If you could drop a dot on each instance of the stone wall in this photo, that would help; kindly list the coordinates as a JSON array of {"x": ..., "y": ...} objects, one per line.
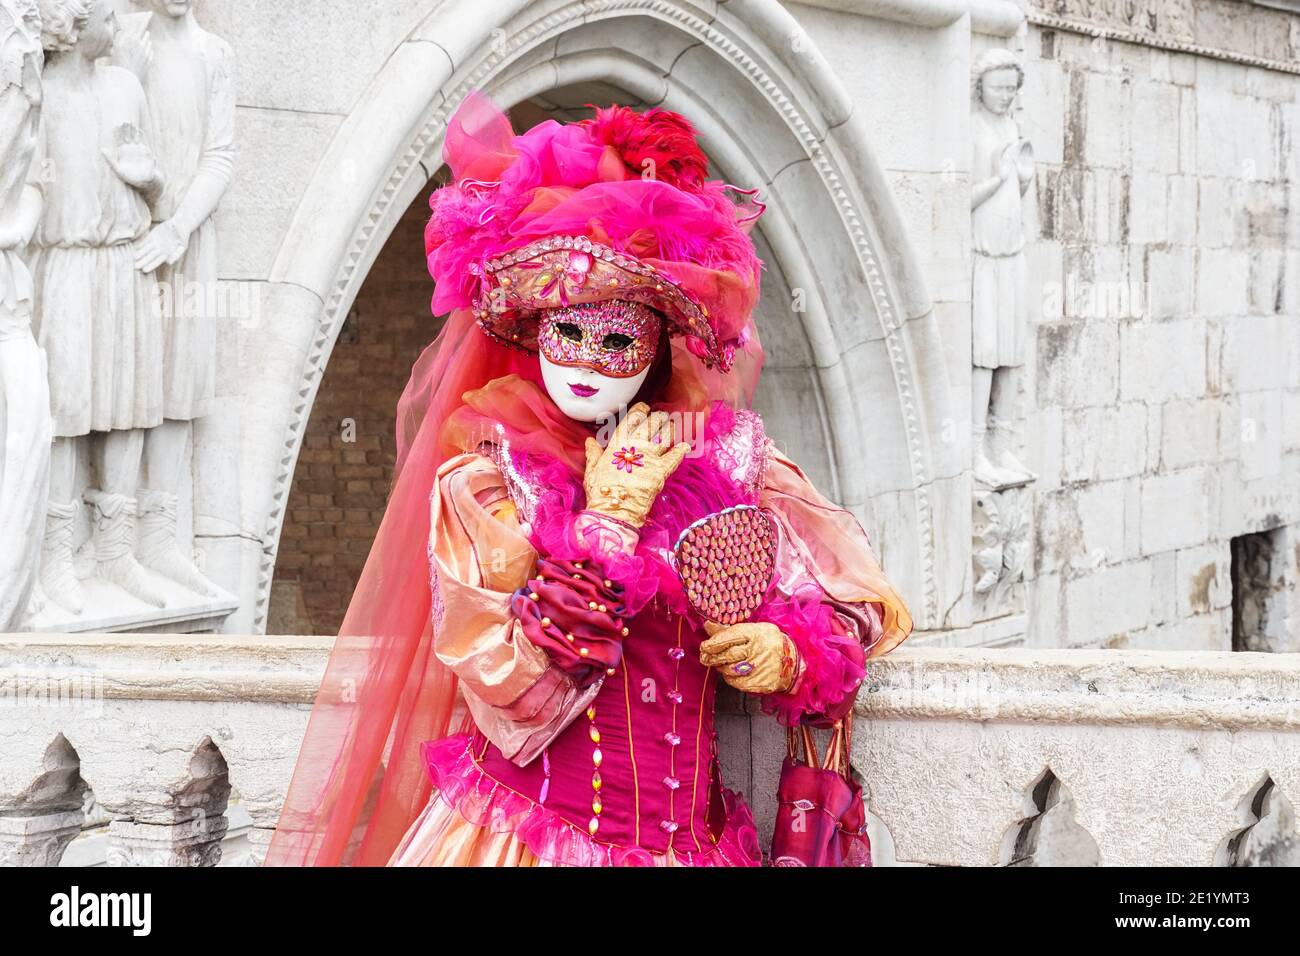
[
  {"x": 1163, "y": 414},
  {"x": 1167, "y": 397}
]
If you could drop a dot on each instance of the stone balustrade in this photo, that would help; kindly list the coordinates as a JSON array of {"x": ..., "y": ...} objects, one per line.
[
  {"x": 167, "y": 732},
  {"x": 971, "y": 757},
  {"x": 1116, "y": 757}
]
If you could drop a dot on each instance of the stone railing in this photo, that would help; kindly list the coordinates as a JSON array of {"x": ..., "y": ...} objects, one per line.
[
  {"x": 174, "y": 735},
  {"x": 982, "y": 757},
  {"x": 971, "y": 757}
]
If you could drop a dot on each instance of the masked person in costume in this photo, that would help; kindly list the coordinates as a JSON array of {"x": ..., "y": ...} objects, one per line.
[{"x": 521, "y": 678}]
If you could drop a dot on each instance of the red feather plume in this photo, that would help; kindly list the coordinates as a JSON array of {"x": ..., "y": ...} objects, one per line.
[{"x": 658, "y": 140}]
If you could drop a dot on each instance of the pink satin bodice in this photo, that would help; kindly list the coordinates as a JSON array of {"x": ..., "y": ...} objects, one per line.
[{"x": 656, "y": 783}]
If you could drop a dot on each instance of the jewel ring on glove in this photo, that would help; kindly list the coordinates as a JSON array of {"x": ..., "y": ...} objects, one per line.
[{"x": 753, "y": 657}]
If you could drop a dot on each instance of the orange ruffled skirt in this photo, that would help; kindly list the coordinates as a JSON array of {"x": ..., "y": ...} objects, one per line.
[{"x": 442, "y": 837}]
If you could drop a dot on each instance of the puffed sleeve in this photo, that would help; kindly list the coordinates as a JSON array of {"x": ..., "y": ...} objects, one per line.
[
  {"x": 832, "y": 599},
  {"x": 479, "y": 558}
]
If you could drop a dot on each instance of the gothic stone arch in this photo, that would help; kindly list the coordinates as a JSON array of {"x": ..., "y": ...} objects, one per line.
[{"x": 771, "y": 114}]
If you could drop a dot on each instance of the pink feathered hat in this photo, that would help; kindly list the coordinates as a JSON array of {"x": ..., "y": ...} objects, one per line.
[{"x": 613, "y": 207}]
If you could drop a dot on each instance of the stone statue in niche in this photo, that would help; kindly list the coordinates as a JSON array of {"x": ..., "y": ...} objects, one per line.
[
  {"x": 1002, "y": 170},
  {"x": 188, "y": 79},
  {"x": 96, "y": 314},
  {"x": 24, "y": 395}
]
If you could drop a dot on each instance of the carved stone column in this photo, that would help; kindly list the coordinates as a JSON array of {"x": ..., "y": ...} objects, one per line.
[{"x": 183, "y": 829}]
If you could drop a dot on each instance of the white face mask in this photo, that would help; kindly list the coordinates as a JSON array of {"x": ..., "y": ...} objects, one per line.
[{"x": 584, "y": 394}]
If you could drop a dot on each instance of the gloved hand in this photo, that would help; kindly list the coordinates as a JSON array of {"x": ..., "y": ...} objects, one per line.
[
  {"x": 623, "y": 480},
  {"x": 753, "y": 657}
]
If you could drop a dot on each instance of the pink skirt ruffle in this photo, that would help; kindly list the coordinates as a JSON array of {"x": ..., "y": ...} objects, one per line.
[{"x": 460, "y": 784}]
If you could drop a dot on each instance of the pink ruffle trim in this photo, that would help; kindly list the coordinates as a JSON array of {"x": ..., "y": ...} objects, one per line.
[
  {"x": 698, "y": 487},
  {"x": 833, "y": 661},
  {"x": 485, "y": 802}
]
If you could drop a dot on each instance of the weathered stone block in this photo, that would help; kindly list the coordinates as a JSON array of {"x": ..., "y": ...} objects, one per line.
[
  {"x": 1222, "y": 282},
  {"x": 1104, "y": 443},
  {"x": 1167, "y": 292},
  {"x": 1260, "y": 433},
  {"x": 1078, "y": 363},
  {"x": 1216, "y": 226},
  {"x": 1148, "y": 219},
  {"x": 1109, "y": 601},
  {"x": 1258, "y": 352},
  {"x": 279, "y": 149},
  {"x": 1101, "y": 518},
  {"x": 326, "y": 66},
  {"x": 1204, "y": 580},
  {"x": 1178, "y": 509},
  {"x": 1106, "y": 143},
  {"x": 1155, "y": 133},
  {"x": 1189, "y": 433},
  {"x": 1162, "y": 360}
]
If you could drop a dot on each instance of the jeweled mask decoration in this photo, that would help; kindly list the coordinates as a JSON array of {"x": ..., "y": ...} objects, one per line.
[
  {"x": 616, "y": 338},
  {"x": 518, "y": 288}
]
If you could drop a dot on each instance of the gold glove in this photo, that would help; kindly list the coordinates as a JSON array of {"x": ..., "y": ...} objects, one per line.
[
  {"x": 624, "y": 479},
  {"x": 756, "y": 658}
]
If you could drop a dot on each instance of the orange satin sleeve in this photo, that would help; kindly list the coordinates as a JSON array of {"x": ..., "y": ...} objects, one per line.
[
  {"x": 828, "y": 545},
  {"x": 479, "y": 557}
]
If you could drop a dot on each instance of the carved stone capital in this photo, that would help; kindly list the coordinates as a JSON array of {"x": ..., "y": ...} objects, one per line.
[
  {"x": 196, "y": 842},
  {"x": 38, "y": 839}
]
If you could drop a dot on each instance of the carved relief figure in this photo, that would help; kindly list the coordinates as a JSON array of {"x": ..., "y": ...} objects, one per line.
[
  {"x": 96, "y": 313},
  {"x": 187, "y": 74},
  {"x": 24, "y": 396},
  {"x": 1001, "y": 172},
  {"x": 1000, "y": 521}
]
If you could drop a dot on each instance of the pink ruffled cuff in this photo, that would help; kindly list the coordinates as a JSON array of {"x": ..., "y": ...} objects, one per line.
[
  {"x": 607, "y": 543},
  {"x": 574, "y": 614},
  {"x": 832, "y": 662}
]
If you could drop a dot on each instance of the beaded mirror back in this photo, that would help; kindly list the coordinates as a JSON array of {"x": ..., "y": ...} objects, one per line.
[{"x": 726, "y": 561}]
